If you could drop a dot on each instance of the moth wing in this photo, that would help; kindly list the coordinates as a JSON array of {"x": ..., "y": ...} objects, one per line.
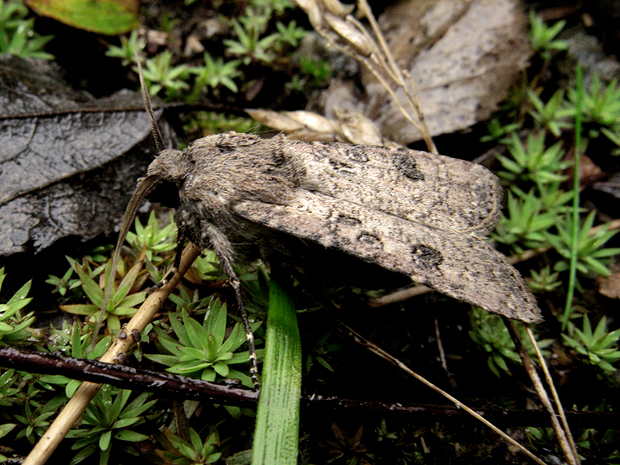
[
  {"x": 435, "y": 190},
  {"x": 460, "y": 265}
]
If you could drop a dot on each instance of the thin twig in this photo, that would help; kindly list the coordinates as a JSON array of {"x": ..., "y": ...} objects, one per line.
[
  {"x": 124, "y": 377},
  {"x": 399, "y": 295},
  {"x": 442, "y": 354}
]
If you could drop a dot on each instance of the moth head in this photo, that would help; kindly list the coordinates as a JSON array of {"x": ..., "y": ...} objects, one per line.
[{"x": 168, "y": 166}]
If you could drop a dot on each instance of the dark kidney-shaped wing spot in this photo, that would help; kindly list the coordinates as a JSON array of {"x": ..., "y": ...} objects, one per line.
[
  {"x": 371, "y": 240},
  {"x": 348, "y": 221},
  {"x": 356, "y": 154},
  {"x": 426, "y": 257},
  {"x": 406, "y": 165}
]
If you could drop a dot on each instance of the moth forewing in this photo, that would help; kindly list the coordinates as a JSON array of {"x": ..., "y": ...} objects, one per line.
[
  {"x": 412, "y": 212},
  {"x": 460, "y": 265},
  {"x": 435, "y": 190}
]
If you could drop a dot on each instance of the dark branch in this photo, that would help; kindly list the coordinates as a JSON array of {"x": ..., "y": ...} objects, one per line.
[
  {"x": 164, "y": 384},
  {"x": 167, "y": 385}
]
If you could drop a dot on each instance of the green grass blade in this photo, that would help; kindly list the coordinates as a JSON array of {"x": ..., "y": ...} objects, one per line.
[{"x": 277, "y": 423}]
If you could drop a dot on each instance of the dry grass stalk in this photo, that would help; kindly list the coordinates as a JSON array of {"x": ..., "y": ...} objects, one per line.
[
  {"x": 560, "y": 433},
  {"x": 393, "y": 360},
  {"x": 335, "y": 23}
]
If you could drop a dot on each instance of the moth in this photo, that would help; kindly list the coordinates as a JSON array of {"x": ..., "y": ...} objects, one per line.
[{"x": 421, "y": 215}]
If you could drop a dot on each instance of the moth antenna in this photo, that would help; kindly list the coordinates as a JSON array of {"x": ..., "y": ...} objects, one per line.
[
  {"x": 146, "y": 98},
  {"x": 144, "y": 187},
  {"x": 137, "y": 198}
]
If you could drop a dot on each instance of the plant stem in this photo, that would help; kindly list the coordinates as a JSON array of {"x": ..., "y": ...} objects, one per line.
[{"x": 575, "y": 213}]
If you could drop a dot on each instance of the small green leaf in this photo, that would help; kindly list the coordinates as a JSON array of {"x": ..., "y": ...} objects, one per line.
[
  {"x": 196, "y": 333},
  {"x": 104, "y": 440},
  {"x": 130, "y": 436},
  {"x": 221, "y": 369},
  {"x": 125, "y": 422},
  {"x": 111, "y": 17},
  {"x": 80, "y": 309}
]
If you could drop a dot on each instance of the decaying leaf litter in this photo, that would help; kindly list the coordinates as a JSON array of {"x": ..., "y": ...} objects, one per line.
[{"x": 67, "y": 159}]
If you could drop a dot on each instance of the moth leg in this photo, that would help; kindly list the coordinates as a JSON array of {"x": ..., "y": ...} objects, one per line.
[
  {"x": 224, "y": 252},
  {"x": 249, "y": 336},
  {"x": 175, "y": 265}
]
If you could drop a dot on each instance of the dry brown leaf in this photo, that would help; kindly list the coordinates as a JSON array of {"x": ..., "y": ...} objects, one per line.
[
  {"x": 610, "y": 286},
  {"x": 589, "y": 172},
  {"x": 358, "y": 129},
  {"x": 348, "y": 126},
  {"x": 311, "y": 121},
  {"x": 463, "y": 55},
  {"x": 275, "y": 120}
]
